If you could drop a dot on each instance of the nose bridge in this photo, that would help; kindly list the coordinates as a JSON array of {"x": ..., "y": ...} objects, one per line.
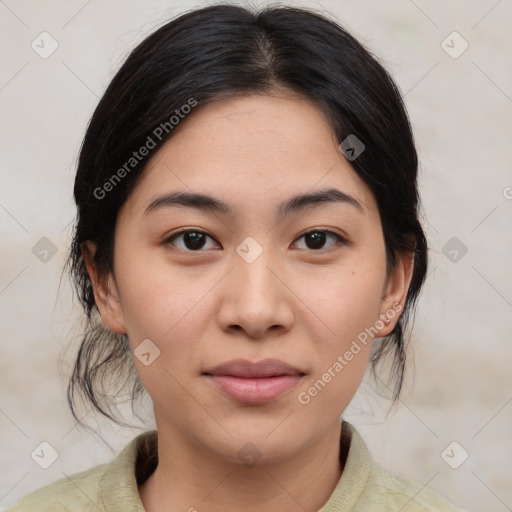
[
  {"x": 253, "y": 277},
  {"x": 256, "y": 276}
]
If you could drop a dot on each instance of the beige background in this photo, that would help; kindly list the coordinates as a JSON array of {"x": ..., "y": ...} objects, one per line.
[{"x": 461, "y": 110}]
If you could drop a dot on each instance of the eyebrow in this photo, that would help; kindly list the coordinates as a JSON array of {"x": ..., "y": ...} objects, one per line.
[{"x": 211, "y": 204}]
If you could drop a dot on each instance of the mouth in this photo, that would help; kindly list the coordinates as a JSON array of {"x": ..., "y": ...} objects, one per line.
[{"x": 254, "y": 383}]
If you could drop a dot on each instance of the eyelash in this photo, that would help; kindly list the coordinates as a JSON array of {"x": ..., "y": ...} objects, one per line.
[{"x": 339, "y": 238}]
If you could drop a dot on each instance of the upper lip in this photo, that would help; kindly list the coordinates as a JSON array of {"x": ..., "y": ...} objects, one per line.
[{"x": 247, "y": 369}]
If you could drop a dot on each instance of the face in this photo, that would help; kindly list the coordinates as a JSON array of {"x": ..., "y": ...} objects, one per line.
[{"x": 304, "y": 283}]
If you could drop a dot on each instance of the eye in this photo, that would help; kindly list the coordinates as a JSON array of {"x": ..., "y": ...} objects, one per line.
[
  {"x": 315, "y": 239},
  {"x": 192, "y": 240}
]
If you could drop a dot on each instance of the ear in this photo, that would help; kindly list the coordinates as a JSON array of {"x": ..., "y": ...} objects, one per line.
[
  {"x": 395, "y": 292},
  {"x": 106, "y": 294}
]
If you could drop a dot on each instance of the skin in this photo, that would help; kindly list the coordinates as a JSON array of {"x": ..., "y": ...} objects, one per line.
[{"x": 299, "y": 304}]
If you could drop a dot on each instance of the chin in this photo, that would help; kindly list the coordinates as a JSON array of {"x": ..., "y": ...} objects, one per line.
[{"x": 249, "y": 446}]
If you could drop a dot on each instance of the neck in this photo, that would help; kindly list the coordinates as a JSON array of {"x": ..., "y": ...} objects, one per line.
[{"x": 189, "y": 479}]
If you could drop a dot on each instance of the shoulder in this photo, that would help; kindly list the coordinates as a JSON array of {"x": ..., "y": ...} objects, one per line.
[
  {"x": 110, "y": 486},
  {"x": 366, "y": 485},
  {"x": 75, "y": 492},
  {"x": 400, "y": 493}
]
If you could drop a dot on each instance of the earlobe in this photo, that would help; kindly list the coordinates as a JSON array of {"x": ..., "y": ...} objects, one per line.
[
  {"x": 105, "y": 291},
  {"x": 395, "y": 292}
]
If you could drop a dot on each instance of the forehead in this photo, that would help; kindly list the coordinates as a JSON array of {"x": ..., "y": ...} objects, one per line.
[
  {"x": 263, "y": 126},
  {"x": 254, "y": 150}
]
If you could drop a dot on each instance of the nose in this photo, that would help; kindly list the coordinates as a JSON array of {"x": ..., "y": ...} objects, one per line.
[{"x": 256, "y": 298}]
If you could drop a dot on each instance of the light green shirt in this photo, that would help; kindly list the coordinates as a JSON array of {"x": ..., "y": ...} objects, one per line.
[{"x": 363, "y": 487}]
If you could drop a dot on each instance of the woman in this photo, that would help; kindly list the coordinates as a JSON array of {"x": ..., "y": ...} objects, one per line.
[{"x": 248, "y": 234}]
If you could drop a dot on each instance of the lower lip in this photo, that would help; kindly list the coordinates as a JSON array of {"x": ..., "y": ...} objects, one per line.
[{"x": 257, "y": 390}]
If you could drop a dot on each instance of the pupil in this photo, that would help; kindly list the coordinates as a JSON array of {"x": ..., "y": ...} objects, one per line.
[
  {"x": 318, "y": 239},
  {"x": 193, "y": 240}
]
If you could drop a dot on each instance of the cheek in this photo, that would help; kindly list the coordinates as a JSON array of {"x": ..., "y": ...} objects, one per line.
[
  {"x": 341, "y": 357},
  {"x": 349, "y": 306},
  {"x": 347, "y": 300},
  {"x": 158, "y": 300},
  {"x": 165, "y": 306}
]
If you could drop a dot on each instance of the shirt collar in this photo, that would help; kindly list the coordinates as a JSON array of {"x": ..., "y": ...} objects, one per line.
[
  {"x": 356, "y": 471},
  {"x": 119, "y": 485}
]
